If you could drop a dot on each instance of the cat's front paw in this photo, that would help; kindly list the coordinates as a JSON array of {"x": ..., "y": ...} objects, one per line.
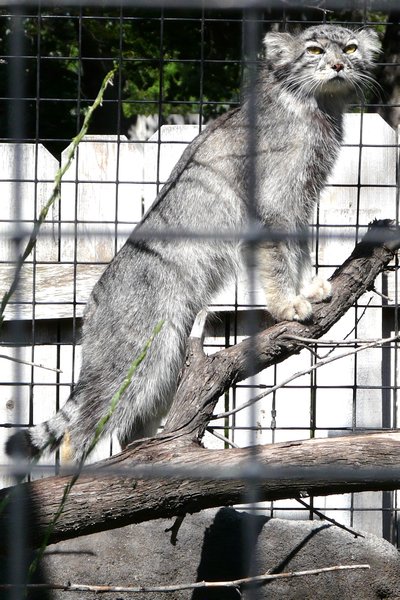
[
  {"x": 296, "y": 309},
  {"x": 319, "y": 289}
]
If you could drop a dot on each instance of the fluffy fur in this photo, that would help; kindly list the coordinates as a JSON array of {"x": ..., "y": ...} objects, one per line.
[{"x": 304, "y": 85}]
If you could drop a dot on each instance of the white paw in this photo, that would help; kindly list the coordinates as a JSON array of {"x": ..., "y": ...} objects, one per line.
[
  {"x": 319, "y": 289},
  {"x": 297, "y": 309}
]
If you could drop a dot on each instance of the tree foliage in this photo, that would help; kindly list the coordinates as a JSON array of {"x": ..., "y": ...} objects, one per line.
[{"x": 168, "y": 62}]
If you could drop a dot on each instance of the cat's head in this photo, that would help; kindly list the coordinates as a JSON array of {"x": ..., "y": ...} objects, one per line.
[{"x": 323, "y": 60}]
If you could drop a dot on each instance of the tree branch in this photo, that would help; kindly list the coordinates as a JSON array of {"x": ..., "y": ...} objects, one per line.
[
  {"x": 236, "y": 583},
  {"x": 133, "y": 487},
  {"x": 218, "y": 372},
  {"x": 171, "y": 474}
]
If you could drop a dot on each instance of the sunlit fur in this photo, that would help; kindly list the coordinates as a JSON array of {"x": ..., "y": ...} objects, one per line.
[{"x": 300, "y": 99}]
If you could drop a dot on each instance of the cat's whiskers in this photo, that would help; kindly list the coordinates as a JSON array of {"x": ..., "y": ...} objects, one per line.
[
  {"x": 370, "y": 83},
  {"x": 299, "y": 84},
  {"x": 306, "y": 85}
]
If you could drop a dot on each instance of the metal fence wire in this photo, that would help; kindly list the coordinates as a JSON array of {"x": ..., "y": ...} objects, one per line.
[{"x": 177, "y": 69}]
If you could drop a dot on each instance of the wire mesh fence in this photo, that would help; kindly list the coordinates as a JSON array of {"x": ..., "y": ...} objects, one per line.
[{"x": 177, "y": 70}]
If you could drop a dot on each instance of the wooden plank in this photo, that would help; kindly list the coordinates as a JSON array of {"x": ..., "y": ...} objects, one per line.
[
  {"x": 51, "y": 290},
  {"x": 23, "y": 200}
]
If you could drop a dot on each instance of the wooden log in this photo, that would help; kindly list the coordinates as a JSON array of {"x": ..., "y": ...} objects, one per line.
[{"x": 113, "y": 496}]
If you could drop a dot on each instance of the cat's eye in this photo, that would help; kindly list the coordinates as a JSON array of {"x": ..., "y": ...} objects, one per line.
[
  {"x": 314, "y": 50},
  {"x": 350, "y": 49}
]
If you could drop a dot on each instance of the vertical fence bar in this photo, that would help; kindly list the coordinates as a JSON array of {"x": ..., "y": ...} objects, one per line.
[
  {"x": 17, "y": 532},
  {"x": 251, "y": 48}
]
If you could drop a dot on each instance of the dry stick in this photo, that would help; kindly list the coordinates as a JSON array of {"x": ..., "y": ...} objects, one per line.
[
  {"x": 336, "y": 343},
  {"x": 221, "y": 437},
  {"x": 323, "y": 517},
  {"x": 235, "y": 583},
  {"x": 321, "y": 363},
  {"x": 30, "y": 364},
  {"x": 358, "y": 320},
  {"x": 378, "y": 293},
  {"x": 354, "y": 328},
  {"x": 205, "y": 379},
  {"x": 307, "y": 341},
  {"x": 55, "y": 193}
]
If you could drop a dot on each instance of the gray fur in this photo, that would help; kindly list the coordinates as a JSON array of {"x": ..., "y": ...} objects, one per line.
[{"x": 300, "y": 99}]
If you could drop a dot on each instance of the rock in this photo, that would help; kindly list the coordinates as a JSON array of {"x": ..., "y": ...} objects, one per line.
[{"x": 220, "y": 545}]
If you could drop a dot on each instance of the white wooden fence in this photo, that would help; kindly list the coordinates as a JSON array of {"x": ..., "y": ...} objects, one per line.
[{"x": 103, "y": 195}]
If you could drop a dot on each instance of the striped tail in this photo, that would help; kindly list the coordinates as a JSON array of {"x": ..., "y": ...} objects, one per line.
[{"x": 45, "y": 437}]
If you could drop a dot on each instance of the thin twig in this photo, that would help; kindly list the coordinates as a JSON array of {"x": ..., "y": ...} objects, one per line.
[
  {"x": 383, "y": 296},
  {"x": 323, "y": 517},
  {"x": 306, "y": 341},
  {"x": 324, "y": 10},
  {"x": 30, "y": 364},
  {"x": 356, "y": 324},
  {"x": 235, "y": 583},
  {"x": 354, "y": 328},
  {"x": 336, "y": 343},
  {"x": 323, "y": 362},
  {"x": 221, "y": 437}
]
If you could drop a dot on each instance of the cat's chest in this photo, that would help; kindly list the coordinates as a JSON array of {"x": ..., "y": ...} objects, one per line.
[
  {"x": 297, "y": 164},
  {"x": 315, "y": 143},
  {"x": 295, "y": 148}
]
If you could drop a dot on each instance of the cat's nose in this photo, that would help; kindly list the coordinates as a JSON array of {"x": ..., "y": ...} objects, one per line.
[{"x": 338, "y": 67}]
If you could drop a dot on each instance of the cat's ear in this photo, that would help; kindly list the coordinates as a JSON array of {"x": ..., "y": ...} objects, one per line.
[
  {"x": 278, "y": 47},
  {"x": 370, "y": 40}
]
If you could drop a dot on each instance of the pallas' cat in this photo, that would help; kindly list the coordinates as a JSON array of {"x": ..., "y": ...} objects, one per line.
[{"x": 304, "y": 84}]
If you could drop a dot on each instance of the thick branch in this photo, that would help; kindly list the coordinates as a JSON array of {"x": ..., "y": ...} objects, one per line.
[
  {"x": 114, "y": 497},
  {"x": 209, "y": 377},
  {"x": 106, "y": 500}
]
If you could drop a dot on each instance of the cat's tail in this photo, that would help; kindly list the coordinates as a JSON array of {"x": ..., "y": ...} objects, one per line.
[{"x": 45, "y": 437}]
